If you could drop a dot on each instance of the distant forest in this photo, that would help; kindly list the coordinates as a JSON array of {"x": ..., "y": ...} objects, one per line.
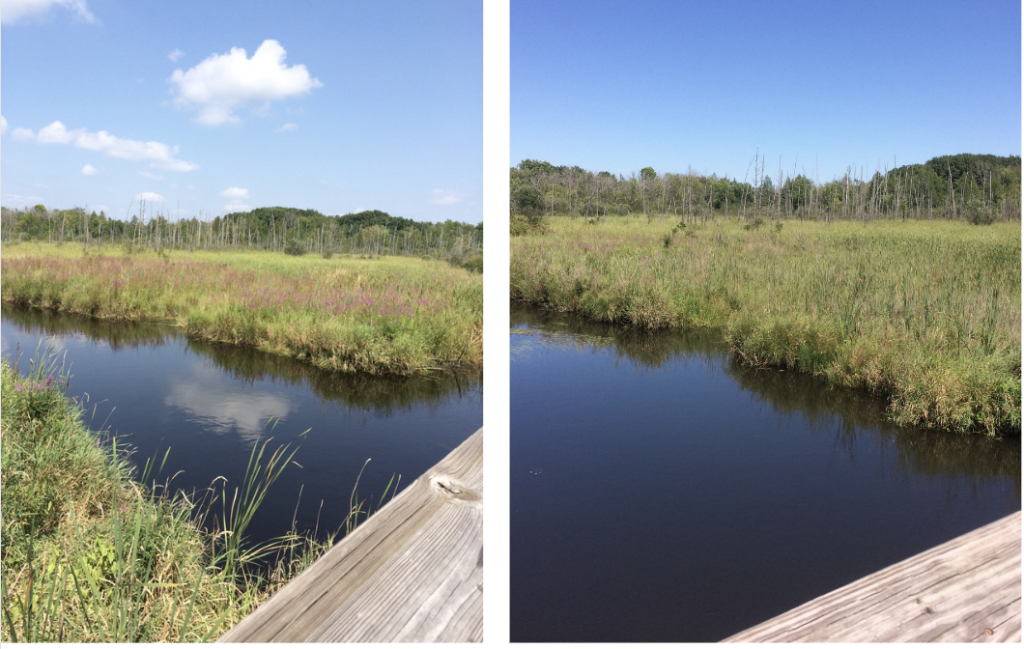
[
  {"x": 977, "y": 188},
  {"x": 264, "y": 228}
]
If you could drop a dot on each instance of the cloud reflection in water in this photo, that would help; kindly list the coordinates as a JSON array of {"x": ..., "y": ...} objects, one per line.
[{"x": 225, "y": 407}]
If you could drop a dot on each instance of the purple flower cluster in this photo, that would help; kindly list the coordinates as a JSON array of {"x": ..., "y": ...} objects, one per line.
[{"x": 31, "y": 387}]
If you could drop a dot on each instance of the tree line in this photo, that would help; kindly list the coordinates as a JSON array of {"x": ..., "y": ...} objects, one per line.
[
  {"x": 977, "y": 188},
  {"x": 291, "y": 230}
]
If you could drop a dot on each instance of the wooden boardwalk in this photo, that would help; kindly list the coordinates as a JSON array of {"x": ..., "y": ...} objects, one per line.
[
  {"x": 965, "y": 590},
  {"x": 412, "y": 572}
]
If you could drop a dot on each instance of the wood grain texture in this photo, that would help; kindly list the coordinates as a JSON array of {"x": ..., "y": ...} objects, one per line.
[
  {"x": 965, "y": 590},
  {"x": 413, "y": 572}
]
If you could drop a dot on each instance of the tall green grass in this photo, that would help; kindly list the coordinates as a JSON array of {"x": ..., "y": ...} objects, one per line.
[
  {"x": 926, "y": 314},
  {"x": 92, "y": 552},
  {"x": 395, "y": 315}
]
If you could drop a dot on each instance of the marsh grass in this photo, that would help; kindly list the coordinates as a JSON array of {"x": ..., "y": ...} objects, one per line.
[
  {"x": 927, "y": 314},
  {"x": 93, "y": 552},
  {"x": 395, "y": 315}
]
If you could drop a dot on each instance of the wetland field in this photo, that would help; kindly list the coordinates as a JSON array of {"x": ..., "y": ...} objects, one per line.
[
  {"x": 142, "y": 389},
  {"x": 924, "y": 314},
  {"x": 716, "y": 420},
  {"x": 399, "y": 315}
]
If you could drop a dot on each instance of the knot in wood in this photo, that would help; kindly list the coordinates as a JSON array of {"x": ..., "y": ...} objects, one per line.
[{"x": 455, "y": 491}]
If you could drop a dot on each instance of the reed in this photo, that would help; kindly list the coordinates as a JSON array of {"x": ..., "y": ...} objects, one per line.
[{"x": 926, "y": 314}]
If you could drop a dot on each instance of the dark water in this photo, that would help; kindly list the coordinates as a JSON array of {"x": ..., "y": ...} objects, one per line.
[
  {"x": 661, "y": 493},
  {"x": 154, "y": 389}
]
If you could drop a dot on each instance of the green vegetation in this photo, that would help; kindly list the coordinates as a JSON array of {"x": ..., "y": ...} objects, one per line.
[
  {"x": 399, "y": 315},
  {"x": 976, "y": 188},
  {"x": 274, "y": 229},
  {"x": 927, "y": 315},
  {"x": 89, "y": 554}
]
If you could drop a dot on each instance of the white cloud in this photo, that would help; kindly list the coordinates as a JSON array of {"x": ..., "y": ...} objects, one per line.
[
  {"x": 14, "y": 10},
  {"x": 23, "y": 134},
  {"x": 21, "y": 199},
  {"x": 3, "y": 125},
  {"x": 224, "y": 82},
  {"x": 55, "y": 133},
  {"x": 150, "y": 197},
  {"x": 151, "y": 175},
  {"x": 441, "y": 197},
  {"x": 290, "y": 126},
  {"x": 175, "y": 55},
  {"x": 235, "y": 193},
  {"x": 89, "y": 170},
  {"x": 176, "y": 165},
  {"x": 156, "y": 153}
]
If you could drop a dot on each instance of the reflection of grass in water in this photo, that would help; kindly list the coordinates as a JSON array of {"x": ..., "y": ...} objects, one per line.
[
  {"x": 381, "y": 394},
  {"x": 527, "y": 341},
  {"x": 648, "y": 350},
  {"x": 852, "y": 414},
  {"x": 118, "y": 334}
]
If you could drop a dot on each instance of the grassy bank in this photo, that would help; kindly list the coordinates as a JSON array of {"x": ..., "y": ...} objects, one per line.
[
  {"x": 89, "y": 554},
  {"x": 926, "y": 314},
  {"x": 383, "y": 315}
]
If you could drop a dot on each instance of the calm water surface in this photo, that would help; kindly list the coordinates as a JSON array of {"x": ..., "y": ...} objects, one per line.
[
  {"x": 154, "y": 389},
  {"x": 661, "y": 493}
]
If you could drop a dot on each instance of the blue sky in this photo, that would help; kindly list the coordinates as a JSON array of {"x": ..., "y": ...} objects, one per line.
[
  {"x": 335, "y": 106},
  {"x": 617, "y": 86}
]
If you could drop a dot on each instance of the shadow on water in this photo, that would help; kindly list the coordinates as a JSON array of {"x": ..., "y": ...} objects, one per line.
[{"x": 850, "y": 413}]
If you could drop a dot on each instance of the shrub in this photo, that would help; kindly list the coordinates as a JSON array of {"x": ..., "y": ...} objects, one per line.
[
  {"x": 519, "y": 225},
  {"x": 977, "y": 213},
  {"x": 474, "y": 263},
  {"x": 294, "y": 247}
]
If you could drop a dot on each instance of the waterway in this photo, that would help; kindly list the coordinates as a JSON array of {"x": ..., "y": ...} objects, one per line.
[
  {"x": 151, "y": 389},
  {"x": 661, "y": 492}
]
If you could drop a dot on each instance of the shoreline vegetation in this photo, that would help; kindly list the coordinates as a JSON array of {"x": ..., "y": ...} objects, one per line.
[
  {"x": 94, "y": 552},
  {"x": 380, "y": 314},
  {"x": 905, "y": 282},
  {"x": 924, "y": 314}
]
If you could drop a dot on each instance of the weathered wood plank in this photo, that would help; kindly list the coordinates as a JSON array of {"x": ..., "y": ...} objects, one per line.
[
  {"x": 412, "y": 572},
  {"x": 965, "y": 590}
]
